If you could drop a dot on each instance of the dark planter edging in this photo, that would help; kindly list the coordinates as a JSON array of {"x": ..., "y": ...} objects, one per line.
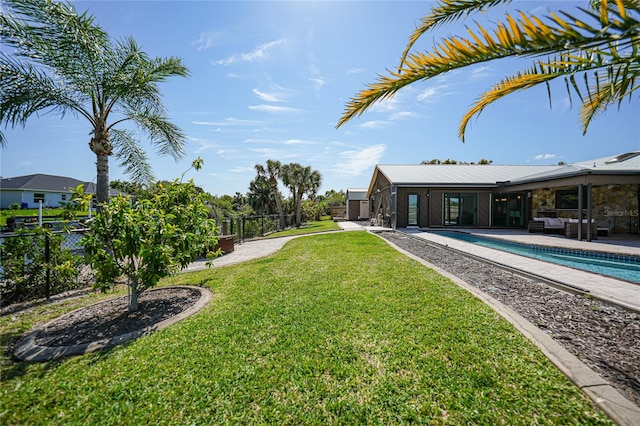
[{"x": 28, "y": 350}]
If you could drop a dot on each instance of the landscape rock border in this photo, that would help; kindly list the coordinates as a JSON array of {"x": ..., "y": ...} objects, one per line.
[
  {"x": 27, "y": 348},
  {"x": 619, "y": 408}
]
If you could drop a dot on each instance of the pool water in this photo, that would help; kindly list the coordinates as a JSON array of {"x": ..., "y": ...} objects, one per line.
[{"x": 620, "y": 266}]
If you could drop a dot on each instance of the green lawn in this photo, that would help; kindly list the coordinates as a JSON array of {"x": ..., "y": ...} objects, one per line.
[
  {"x": 4, "y": 214},
  {"x": 308, "y": 228},
  {"x": 336, "y": 328}
]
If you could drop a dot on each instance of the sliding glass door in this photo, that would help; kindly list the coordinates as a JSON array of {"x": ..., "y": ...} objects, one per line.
[
  {"x": 460, "y": 209},
  {"x": 508, "y": 210}
]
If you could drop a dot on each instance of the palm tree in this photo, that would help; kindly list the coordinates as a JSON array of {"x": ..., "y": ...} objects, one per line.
[
  {"x": 597, "y": 55},
  {"x": 272, "y": 173},
  {"x": 259, "y": 194},
  {"x": 64, "y": 63},
  {"x": 300, "y": 181}
]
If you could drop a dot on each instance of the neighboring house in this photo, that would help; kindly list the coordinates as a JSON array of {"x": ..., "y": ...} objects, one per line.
[
  {"x": 357, "y": 204},
  {"x": 606, "y": 190},
  {"x": 29, "y": 190}
]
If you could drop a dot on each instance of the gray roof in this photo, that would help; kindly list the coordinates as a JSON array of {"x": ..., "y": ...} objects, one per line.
[
  {"x": 48, "y": 183},
  {"x": 458, "y": 174},
  {"x": 357, "y": 194},
  {"x": 628, "y": 163},
  {"x": 493, "y": 175}
]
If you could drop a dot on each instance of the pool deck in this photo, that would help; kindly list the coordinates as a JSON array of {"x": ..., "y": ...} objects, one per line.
[{"x": 609, "y": 289}]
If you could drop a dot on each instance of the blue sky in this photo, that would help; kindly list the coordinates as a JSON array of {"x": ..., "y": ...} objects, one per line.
[{"x": 269, "y": 80}]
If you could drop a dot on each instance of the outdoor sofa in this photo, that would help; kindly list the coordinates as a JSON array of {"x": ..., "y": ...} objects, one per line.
[{"x": 565, "y": 226}]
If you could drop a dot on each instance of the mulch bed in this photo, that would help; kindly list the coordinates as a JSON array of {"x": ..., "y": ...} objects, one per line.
[{"x": 109, "y": 319}]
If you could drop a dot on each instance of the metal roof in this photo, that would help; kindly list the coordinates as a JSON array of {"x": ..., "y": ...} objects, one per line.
[
  {"x": 458, "y": 174},
  {"x": 492, "y": 175},
  {"x": 356, "y": 194}
]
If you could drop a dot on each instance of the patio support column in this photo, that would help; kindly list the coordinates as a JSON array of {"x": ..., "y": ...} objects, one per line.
[
  {"x": 394, "y": 206},
  {"x": 589, "y": 212},
  {"x": 580, "y": 201}
]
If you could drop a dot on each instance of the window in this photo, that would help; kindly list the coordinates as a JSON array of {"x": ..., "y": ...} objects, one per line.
[
  {"x": 38, "y": 197},
  {"x": 413, "y": 210},
  {"x": 567, "y": 199},
  {"x": 63, "y": 197}
]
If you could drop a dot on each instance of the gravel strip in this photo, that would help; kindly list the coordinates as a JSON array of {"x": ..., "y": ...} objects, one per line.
[{"x": 604, "y": 337}]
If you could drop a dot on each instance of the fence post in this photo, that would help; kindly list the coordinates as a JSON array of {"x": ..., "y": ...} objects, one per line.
[
  {"x": 262, "y": 226},
  {"x": 243, "y": 223},
  {"x": 47, "y": 266}
]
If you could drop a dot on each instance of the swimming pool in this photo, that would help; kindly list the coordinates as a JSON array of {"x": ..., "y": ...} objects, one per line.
[{"x": 621, "y": 266}]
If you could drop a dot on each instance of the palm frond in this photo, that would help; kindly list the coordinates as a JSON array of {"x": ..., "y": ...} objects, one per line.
[
  {"x": 446, "y": 11},
  {"x": 587, "y": 43},
  {"x": 131, "y": 157},
  {"x": 27, "y": 89},
  {"x": 164, "y": 135}
]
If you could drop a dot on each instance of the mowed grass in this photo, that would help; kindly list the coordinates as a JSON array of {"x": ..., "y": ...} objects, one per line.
[
  {"x": 33, "y": 213},
  {"x": 308, "y": 228},
  {"x": 335, "y": 328}
]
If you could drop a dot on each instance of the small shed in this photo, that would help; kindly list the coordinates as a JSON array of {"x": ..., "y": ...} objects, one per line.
[{"x": 357, "y": 204}]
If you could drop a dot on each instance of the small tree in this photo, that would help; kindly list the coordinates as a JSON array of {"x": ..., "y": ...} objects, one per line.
[{"x": 150, "y": 239}]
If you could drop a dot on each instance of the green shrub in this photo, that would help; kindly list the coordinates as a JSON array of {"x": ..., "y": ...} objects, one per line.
[
  {"x": 150, "y": 239},
  {"x": 25, "y": 266}
]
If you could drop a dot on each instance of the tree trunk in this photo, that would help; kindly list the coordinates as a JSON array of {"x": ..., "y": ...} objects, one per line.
[
  {"x": 133, "y": 298},
  {"x": 299, "y": 208},
  {"x": 102, "y": 185},
  {"x": 276, "y": 197},
  {"x": 102, "y": 147}
]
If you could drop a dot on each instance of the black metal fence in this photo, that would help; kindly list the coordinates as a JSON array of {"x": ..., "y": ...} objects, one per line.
[
  {"x": 40, "y": 264},
  {"x": 37, "y": 263},
  {"x": 248, "y": 227}
]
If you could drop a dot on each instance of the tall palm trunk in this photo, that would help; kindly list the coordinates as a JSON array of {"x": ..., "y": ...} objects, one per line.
[
  {"x": 274, "y": 191},
  {"x": 299, "y": 207},
  {"x": 102, "y": 183},
  {"x": 102, "y": 147}
]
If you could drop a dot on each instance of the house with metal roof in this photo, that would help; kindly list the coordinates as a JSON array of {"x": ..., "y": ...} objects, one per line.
[
  {"x": 605, "y": 191},
  {"x": 357, "y": 204},
  {"x": 28, "y": 191}
]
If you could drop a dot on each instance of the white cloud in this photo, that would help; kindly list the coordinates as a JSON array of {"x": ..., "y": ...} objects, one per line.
[
  {"x": 230, "y": 122},
  {"x": 268, "y": 97},
  {"x": 206, "y": 40},
  {"x": 480, "y": 72},
  {"x": 259, "y": 54},
  {"x": 319, "y": 81},
  {"x": 373, "y": 124},
  {"x": 387, "y": 105},
  {"x": 298, "y": 142},
  {"x": 432, "y": 94},
  {"x": 204, "y": 145},
  {"x": 274, "y": 93},
  {"x": 357, "y": 163},
  {"x": 354, "y": 71},
  {"x": 543, "y": 157},
  {"x": 274, "y": 153},
  {"x": 241, "y": 169},
  {"x": 273, "y": 109},
  {"x": 402, "y": 115}
]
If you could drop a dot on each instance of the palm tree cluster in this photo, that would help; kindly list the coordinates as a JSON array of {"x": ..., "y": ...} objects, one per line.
[
  {"x": 264, "y": 190},
  {"x": 595, "y": 50},
  {"x": 56, "y": 60}
]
